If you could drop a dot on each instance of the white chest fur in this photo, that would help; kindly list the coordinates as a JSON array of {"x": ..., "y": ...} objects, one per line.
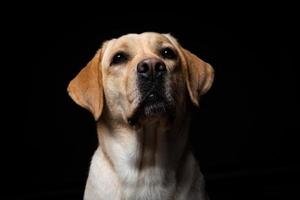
[{"x": 148, "y": 164}]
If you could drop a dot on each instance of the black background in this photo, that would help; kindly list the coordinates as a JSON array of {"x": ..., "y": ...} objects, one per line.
[{"x": 244, "y": 135}]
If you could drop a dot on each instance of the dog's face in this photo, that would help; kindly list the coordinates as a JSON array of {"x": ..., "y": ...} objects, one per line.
[{"x": 141, "y": 76}]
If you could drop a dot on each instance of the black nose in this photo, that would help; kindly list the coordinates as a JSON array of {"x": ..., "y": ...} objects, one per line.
[{"x": 151, "y": 68}]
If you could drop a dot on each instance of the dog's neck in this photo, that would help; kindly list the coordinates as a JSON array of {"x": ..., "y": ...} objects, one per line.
[{"x": 153, "y": 145}]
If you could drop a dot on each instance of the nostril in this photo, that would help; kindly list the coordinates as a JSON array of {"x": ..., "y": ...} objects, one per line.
[
  {"x": 160, "y": 67},
  {"x": 143, "y": 68}
]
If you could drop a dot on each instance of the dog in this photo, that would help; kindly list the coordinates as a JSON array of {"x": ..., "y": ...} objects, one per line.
[{"x": 140, "y": 89}]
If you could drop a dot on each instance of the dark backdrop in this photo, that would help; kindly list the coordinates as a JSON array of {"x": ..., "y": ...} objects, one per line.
[{"x": 244, "y": 135}]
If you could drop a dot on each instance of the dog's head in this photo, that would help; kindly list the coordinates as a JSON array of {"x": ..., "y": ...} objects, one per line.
[{"x": 141, "y": 76}]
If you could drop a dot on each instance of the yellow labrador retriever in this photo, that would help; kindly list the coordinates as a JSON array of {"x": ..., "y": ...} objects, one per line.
[{"x": 140, "y": 89}]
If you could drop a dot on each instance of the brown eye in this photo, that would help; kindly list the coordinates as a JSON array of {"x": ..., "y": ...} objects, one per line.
[
  {"x": 118, "y": 58},
  {"x": 168, "y": 53}
]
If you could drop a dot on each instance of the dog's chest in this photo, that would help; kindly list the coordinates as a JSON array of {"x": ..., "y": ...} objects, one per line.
[
  {"x": 142, "y": 166},
  {"x": 150, "y": 183}
]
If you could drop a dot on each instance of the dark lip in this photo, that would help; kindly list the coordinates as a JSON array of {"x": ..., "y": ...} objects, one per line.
[
  {"x": 146, "y": 111},
  {"x": 154, "y": 108},
  {"x": 151, "y": 92},
  {"x": 150, "y": 107}
]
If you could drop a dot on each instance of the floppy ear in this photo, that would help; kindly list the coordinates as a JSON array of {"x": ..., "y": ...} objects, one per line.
[
  {"x": 86, "y": 88},
  {"x": 199, "y": 76}
]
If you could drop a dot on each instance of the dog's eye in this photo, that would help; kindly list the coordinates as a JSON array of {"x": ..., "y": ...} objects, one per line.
[
  {"x": 118, "y": 58},
  {"x": 168, "y": 53}
]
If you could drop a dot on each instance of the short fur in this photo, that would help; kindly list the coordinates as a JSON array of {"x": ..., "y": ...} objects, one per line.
[{"x": 147, "y": 158}]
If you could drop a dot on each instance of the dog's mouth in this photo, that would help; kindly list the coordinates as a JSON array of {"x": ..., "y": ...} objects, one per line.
[{"x": 152, "y": 105}]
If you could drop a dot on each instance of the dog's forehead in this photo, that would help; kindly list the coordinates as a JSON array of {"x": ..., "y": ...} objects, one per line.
[
  {"x": 143, "y": 39},
  {"x": 135, "y": 43}
]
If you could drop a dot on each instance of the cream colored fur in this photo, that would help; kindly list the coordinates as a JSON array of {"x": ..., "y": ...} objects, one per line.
[{"x": 149, "y": 160}]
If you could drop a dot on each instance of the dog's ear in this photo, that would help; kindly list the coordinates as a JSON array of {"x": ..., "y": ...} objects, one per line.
[
  {"x": 199, "y": 76},
  {"x": 86, "y": 88}
]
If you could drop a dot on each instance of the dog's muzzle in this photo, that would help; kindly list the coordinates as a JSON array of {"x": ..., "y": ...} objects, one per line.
[
  {"x": 151, "y": 77},
  {"x": 151, "y": 74}
]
